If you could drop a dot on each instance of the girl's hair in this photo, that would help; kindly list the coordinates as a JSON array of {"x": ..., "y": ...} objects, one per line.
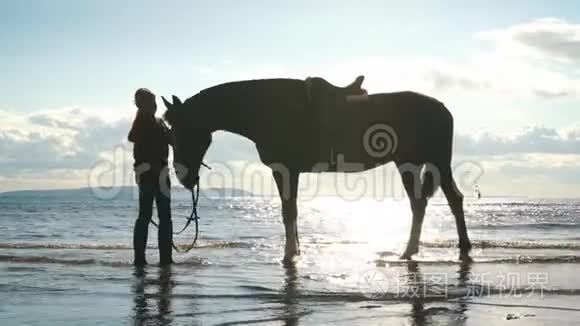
[{"x": 142, "y": 95}]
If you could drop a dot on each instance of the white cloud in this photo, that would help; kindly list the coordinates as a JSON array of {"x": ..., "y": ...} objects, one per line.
[
  {"x": 534, "y": 175},
  {"x": 550, "y": 39},
  {"x": 59, "y": 148},
  {"x": 520, "y": 61},
  {"x": 540, "y": 56},
  {"x": 530, "y": 140},
  {"x": 68, "y": 138}
]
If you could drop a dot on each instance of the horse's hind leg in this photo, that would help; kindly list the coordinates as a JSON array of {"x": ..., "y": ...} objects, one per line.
[
  {"x": 418, "y": 193},
  {"x": 287, "y": 184},
  {"x": 455, "y": 200}
]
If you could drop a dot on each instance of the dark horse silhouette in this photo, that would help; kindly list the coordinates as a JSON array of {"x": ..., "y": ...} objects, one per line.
[{"x": 309, "y": 126}]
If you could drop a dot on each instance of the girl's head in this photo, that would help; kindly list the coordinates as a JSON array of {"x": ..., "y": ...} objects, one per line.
[{"x": 145, "y": 101}]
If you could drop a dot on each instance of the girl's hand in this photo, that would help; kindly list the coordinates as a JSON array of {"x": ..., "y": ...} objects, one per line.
[{"x": 140, "y": 169}]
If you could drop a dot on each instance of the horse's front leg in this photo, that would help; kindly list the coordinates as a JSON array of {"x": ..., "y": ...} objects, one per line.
[
  {"x": 288, "y": 188},
  {"x": 289, "y": 216},
  {"x": 417, "y": 193}
]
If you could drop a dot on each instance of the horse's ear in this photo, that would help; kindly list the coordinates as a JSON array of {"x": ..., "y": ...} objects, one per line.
[
  {"x": 167, "y": 104},
  {"x": 176, "y": 100}
]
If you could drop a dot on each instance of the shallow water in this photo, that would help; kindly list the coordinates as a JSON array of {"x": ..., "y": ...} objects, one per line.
[{"x": 65, "y": 259}]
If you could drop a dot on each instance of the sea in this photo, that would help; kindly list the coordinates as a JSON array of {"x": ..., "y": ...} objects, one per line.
[{"x": 65, "y": 259}]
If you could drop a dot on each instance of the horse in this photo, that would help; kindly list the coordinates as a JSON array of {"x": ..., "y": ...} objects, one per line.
[{"x": 311, "y": 126}]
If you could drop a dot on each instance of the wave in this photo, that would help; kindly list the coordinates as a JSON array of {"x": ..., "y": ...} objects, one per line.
[
  {"x": 332, "y": 242},
  {"x": 26, "y": 259},
  {"x": 90, "y": 261},
  {"x": 355, "y": 295},
  {"x": 222, "y": 244},
  {"x": 524, "y": 203},
  {"x": 483, "y": 244},
  {"x": 571, "y": 259},
  {"x": 90, "y": 246},
  {"x": 537, "y": 226},
  {"x": 215, "y": 244},
  {"x": 226, "y": 244},
  {"x": 51, "y": 260}
]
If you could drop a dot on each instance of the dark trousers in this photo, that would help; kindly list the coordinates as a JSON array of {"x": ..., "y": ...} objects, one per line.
[{"x": 154, "y": 185}]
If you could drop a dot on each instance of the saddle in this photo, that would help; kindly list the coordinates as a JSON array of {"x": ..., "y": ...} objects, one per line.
[{"x": 327, "y": 102}]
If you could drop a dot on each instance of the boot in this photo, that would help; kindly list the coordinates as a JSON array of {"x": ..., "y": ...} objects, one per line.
[
  {"x": 165, "y": 237},
  {"x": 140, "y": 242}
]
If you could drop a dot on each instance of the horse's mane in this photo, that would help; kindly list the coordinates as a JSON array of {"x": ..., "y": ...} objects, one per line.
[
  {"x": 232, "y": 90},
  {"x": 242, "y": 90},
  {"x": 235, "y": 87}
]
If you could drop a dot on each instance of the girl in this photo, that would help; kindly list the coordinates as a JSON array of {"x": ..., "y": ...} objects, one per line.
[{"x": 151, "y": 139}]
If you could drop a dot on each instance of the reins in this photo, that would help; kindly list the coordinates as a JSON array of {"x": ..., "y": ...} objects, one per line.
[{"x": 192, "y": 217}]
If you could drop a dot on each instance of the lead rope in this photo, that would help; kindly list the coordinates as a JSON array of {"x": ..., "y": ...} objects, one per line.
[{"x": 192, "y": 217}]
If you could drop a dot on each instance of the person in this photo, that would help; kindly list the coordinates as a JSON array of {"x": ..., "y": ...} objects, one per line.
[{"x": 151, "y": 139}]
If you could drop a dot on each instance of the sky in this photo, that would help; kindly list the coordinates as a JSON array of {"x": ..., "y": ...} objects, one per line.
[{"x": 507, "y": 70}]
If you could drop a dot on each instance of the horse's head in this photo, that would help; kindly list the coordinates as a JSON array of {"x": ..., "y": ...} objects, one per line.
[{"x": 190, "y": 137}]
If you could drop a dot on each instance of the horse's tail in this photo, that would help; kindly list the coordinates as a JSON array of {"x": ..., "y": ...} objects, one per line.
[
  {"x": 428, "y": 186},
  {"x": 441, "y": 165}
]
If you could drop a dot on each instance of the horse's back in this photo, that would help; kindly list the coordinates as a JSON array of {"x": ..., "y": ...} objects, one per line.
[
  {"x": 406, "y": 100},
  {"x": 421, "y": 125}
]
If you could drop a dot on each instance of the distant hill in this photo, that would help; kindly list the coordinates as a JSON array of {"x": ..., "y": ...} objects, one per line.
[{"x": 119, "y": 193}]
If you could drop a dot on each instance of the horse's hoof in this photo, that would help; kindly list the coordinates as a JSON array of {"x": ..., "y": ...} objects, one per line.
[
  {"x": 465, "y": 258},
  {"x": 140, "y": 263},
  {"x": 289, "y": 260},
  {"x": 286, "y": 262},
  {"x": 409, "y": 252},
  {"x": 165, "y": 263},
  {"x": 291, "y": 252},
  {"x": 406, "y": 256}
]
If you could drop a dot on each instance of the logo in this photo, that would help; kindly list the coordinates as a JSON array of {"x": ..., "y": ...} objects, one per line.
[
  {"x": 373, "y": 284},
  {"x": 380, "y": 140}
]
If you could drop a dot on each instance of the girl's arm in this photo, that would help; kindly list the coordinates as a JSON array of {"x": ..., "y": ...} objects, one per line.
[
  {"x": 137, "y": 129},
  {"x": 133, "y": 132}
]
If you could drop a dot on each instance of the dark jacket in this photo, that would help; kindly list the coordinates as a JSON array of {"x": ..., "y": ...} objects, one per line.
[{"x": 151, "y": 139}]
